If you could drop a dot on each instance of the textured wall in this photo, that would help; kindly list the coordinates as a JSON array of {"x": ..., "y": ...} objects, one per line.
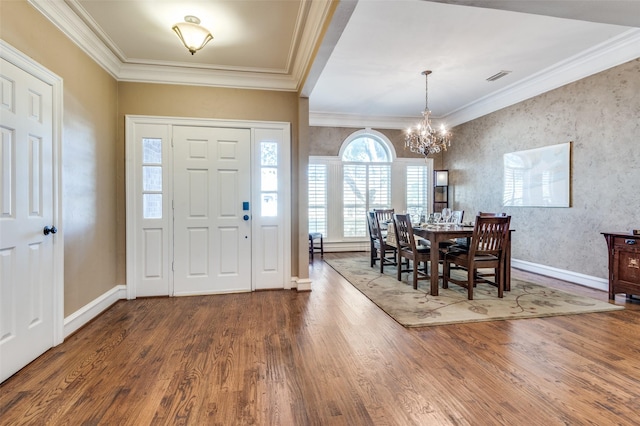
[{"x": 601, "y": 114}]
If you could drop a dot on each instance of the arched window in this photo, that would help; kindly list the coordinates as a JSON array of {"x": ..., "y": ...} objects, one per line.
[
  {"x": 367, "y": 156},
  {"x": 365, "y": 174},
  {"x": 366, "y": 149}
]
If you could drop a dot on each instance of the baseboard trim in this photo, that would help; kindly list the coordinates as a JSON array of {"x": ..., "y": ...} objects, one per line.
[
  {"x": 342, "y": 246},
  {"x": 303, "y": 284},
  {"x": 561, "y": 274},
  {"x": 82, "y": 316}
]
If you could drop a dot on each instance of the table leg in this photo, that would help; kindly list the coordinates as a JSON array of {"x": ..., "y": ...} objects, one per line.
[
  {"x": 507, "y": 265},
  {"x": 434, "y": 260}
]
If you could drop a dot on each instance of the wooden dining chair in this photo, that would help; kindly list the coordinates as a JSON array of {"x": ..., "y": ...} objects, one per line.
[
  {"x": 456, "y": 216},
  {"x": 487, "y": 250},
  {"x": 374, "y": 237},
  {"x": 387, "y": 253},
  {"x": 409, "y": 250},
  {"x": 485, "y": 214},
  {"x": 462, "y": 244},
  {"x": 384, "y": 215}
]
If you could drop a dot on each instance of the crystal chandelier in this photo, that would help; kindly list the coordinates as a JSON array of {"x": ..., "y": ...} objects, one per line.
[{"x": 423, "y": 139}]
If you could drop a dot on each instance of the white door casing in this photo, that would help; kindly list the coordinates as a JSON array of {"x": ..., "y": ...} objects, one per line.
[
  {"x": 31, "y": 263},
  {"x": 212, "y": 229},
  {"x": 269, "y": 250}
]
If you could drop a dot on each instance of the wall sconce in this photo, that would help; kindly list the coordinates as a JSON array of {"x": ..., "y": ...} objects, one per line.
[
  {"x": 441, "y": 178},
  {"x": 193, "y": 36}
]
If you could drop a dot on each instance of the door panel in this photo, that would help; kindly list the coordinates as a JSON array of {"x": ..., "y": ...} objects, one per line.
[
  {"x": 26, "y": 186},
  {"x": 149, "y": 207},
  {"x": 271, "y": 186},
  {"x": 212, "y": 241}
]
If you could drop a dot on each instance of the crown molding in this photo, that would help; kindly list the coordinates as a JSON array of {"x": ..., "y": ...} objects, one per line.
[
  {"x": 61, "y": 15},
  {"x": 70, "y": 24},
  {"x": 613, "y": 52},
  {"x": 319, "y": 13},
  {"x": 327, "y": 119},
  {"x": 206, "y": 77},
  {"x": 616, "y": 51}
]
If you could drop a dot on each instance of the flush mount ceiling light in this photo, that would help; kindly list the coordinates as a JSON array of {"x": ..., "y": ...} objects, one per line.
[
  {"x": 193, "y": 36},
  {"x": 423, "y": 139}
]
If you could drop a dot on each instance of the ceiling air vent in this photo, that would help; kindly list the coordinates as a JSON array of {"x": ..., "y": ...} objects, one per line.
[{"x": 498, "y": 75}]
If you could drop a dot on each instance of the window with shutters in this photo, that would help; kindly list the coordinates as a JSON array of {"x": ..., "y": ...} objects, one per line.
[
  {"x": 365, "y": 175},
  {"x": 318, "y": 198},
  {"x": 366, "y": 182},
  {"x": 418, "y": 189}
]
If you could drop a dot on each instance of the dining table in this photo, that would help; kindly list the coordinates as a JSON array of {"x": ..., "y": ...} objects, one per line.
[{"x": 436, "y": 234}]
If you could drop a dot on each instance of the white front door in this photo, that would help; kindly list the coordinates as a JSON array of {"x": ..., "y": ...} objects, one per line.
[
  {"x": 26, "y": 208},
  {"x": 212, "y": 210}
]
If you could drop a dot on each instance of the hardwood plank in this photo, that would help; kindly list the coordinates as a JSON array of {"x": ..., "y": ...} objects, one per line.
[{"x": 330, "y": 357}]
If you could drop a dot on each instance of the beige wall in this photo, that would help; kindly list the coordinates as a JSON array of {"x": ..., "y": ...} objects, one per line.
[
  {"x": 202, "y": 102},
  {"x": 93, "y": 158},
  {"x": 601, "y": 114},
  {"x": 88, "y": 152}
]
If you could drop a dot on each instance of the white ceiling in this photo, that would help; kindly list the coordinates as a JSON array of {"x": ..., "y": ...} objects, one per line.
[{"x": 367, "y": 70}]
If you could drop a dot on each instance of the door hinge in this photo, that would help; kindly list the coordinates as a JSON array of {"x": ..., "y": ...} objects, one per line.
[{"x": 173, "y": 270}]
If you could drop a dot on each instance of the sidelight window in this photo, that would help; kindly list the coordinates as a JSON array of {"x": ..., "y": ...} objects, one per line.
[
  {"x": 152, "y": 178},
  {"x": 269, "y": 179}
]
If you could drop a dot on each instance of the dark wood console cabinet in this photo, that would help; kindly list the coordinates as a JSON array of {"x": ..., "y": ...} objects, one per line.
[{"x": 624, "y": 263}]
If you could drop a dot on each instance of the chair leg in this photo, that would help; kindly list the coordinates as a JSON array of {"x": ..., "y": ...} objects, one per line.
[
  {"x": 470, "y": 281},
  {"x": 499, "y": 282},
  {"x": 311, "y": 248},
  {"x": 321, "y": 246},
  {"x": 399, "y": 263},
  {"x": 415, "y": 274}
]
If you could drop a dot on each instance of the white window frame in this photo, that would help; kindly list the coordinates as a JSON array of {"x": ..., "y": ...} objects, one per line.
[
  {"x": 334, "y": 240},
  {"x": 312, "y": 197}
]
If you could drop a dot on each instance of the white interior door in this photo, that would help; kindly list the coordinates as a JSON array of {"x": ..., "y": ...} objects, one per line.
[
  {"x": 26, "y": 207},
  {"x": 212, "y": 223}
]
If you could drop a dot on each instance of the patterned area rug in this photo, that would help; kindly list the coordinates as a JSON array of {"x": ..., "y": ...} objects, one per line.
[{"x": 416, "y": 308}]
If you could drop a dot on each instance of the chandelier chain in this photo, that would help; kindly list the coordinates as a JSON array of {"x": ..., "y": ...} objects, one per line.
[{"x": 426, "y": 92}]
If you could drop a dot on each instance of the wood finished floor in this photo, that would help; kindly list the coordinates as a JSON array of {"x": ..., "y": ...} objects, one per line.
[{"x": 330, "y": 357}]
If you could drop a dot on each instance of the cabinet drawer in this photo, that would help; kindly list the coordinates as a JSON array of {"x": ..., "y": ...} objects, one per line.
[{"x": 626, "y": 244}]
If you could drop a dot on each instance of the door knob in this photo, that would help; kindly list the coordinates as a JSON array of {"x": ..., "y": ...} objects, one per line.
[
  {"x": 245, "y": 217},
  {"x": 50, "y": 230}
]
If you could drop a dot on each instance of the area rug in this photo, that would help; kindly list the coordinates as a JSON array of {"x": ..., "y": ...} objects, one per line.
[{"x": 417, "y": 308}]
